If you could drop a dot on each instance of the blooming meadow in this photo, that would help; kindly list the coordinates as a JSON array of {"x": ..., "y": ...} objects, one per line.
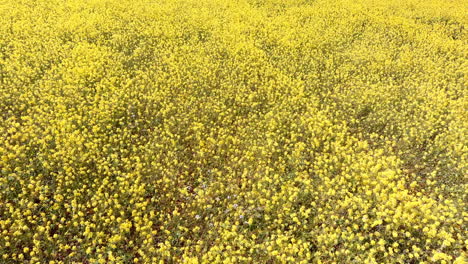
[{"x": 244, "y": 131}]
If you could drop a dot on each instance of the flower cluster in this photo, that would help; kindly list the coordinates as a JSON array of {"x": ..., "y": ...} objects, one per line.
[{"x": 250, "y": 131}]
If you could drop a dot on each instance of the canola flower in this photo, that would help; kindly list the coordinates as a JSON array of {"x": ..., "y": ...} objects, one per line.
[{"x": 248, "y": 131}]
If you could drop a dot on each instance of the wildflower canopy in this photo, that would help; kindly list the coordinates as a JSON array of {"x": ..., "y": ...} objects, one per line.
[{"x": 249, "y": 131}]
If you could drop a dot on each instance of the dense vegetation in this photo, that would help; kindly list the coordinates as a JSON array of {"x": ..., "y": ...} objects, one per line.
[{"x": 247, "y": 131}]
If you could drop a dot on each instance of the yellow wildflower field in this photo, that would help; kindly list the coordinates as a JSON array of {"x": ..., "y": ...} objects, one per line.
[{"x": 244, "y": 131}]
